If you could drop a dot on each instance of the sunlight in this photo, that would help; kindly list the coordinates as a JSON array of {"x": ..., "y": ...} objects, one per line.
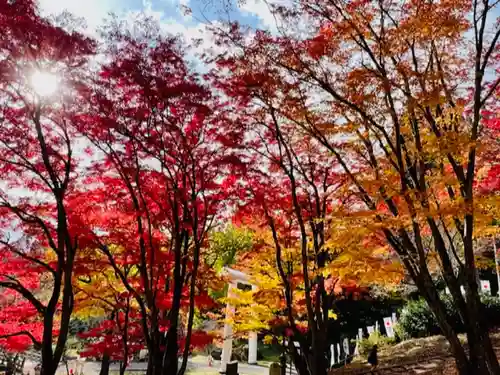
[{"x": 44, "y": 83}]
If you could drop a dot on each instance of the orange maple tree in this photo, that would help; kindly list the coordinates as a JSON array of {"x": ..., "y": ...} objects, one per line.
[
  {"x": 397, "y": 94},
  {"x": 293, "y": 196}
]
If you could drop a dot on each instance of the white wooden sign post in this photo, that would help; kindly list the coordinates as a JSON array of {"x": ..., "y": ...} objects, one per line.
[
  {"x": 394, "y": 318},
  {"x": 358, "y": 339},
  {"x": 345, "y": 344},
  {"x": 486, "y": 286},
  {"x": 389, "y": 329},
  {"x": 496, "y": 263}
]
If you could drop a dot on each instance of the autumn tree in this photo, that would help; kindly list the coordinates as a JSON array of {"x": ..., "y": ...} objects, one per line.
[
  {"x": 397, "y": 93},
  {"x": 100, "y": 295},
  {"x": 116, "y": 338},
  {"x": 489, "y": 163},
  {"x": 227, "y": 245},
  {"x": 291, "y": 191},
  {"x": 18, "y": 315},
  {"x": 38, "y": 169},
  {"x": 159, "y": 178},
  {"x": 489, "y": 184},
  {"x": 264, "y": 308}
]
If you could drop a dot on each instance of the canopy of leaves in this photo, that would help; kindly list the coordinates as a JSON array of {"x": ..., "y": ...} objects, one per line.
[{"x": 226, "y": 245}]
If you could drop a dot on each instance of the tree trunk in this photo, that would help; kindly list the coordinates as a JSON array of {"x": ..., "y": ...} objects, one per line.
[
  {"x": 151, "y": 357},
  {"x": 106, "y": 361},
  {"x": 482, "y": 356},
  {"x": 426, "y": 287},
  {"x": 482, "y": 359},
  {"x": 47, "y": 366},
  {"x": 155, "y": 355},
  {"x": 298, "y": 361},
  {"x": 491, "y": 357},
  {"x": 11, "y": 366},
  {"x": 318, "y": 364},
  {"x": 321, "y": 367},
  {"x": 159, "y": 363},
  {"x": 192, "y": 292},
  {"x": 171, "y": 363},
  {"x": 123, "y": 367}
]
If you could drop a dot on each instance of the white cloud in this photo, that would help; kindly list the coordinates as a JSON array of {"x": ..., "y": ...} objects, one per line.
[
  {"x": 93, "y": 11},
  {"x": 180, "y": 5},
  {"x": 260, "y": 9},
  {"x": 197, "y": 37},
  {"x": 147, "y": 8}
]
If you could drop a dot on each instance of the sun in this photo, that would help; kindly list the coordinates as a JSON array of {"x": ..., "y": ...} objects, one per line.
[{"x": 44, "y": 83}]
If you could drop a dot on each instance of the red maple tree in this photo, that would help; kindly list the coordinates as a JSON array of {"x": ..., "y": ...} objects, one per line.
[
  {"x": 38, "y": 169},
  {"x": 490, "y": 157},
  {"x": 117, "y": 338},
  {"x": 158, "y": 177}
]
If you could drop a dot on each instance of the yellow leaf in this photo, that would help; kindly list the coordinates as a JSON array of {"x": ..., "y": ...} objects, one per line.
[{"x": 332, "y": 315}]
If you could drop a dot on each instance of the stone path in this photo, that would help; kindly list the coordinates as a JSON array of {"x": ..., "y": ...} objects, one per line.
[
  {"x": 93, "y": 367},
  {"x": 431, "y": 366}
]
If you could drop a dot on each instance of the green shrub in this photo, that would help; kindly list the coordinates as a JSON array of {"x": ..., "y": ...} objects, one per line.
[
  {"x": 491, "y": 310},
  {"x": 417, "y": 320},
  {"x": 375, "y": 338},
  {"x": 400, "y": 333}
]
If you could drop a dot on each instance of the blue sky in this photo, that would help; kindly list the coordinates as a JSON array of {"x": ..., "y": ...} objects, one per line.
[
  {"x": 169, "y": 12},
  {"x": 171, "y": 16}
]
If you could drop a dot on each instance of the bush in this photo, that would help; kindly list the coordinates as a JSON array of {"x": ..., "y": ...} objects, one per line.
[
  {"x": 417, "y": 320},
  {"x": 491, "y": 312},
  {"x": 400, "y": 333},
  {"x": 375, "y": 338}
]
